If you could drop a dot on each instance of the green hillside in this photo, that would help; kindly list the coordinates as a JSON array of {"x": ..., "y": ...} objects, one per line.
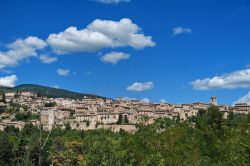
[{"x": 47, "y": 91}]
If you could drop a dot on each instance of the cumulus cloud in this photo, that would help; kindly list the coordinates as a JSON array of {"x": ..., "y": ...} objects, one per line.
[
  {"x": 63, "y": 72},
  {"x": 237, "y": 79},
  {"x": 145, "y": 100},
  {"x": 98, "y": 35},
  {"x": 9, "y": 81},
  {"x": 114, "y": 57},
  {"x": 244, "y": 99},
  {"x": 111, "y": 1},
  {"x": 138, "y": 87},
  {"x": 181, "y": 30},
  {"x": 20, "y": 50},
  {"x": 47, "y": 59}
]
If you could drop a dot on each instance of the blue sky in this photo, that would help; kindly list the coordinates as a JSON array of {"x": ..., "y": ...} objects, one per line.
[{"x": 173, "y": 50}]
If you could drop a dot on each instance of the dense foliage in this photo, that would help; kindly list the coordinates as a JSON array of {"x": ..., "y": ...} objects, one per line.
[
  {"x": 18, "y": 112},
  {"x": 47, "y": 91},
  {"x": 207, "y": 139},
  {"x": 51, "y": 104}
]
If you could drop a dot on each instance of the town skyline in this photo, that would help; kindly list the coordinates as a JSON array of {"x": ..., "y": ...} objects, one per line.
[{"x": 176, "y": 52}]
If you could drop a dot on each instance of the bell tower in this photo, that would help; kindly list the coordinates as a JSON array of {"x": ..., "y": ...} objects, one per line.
[{"x": 213, "y": 101}]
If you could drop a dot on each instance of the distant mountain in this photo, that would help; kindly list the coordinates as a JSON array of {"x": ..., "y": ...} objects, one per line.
[{"x": 48, "y": 91}]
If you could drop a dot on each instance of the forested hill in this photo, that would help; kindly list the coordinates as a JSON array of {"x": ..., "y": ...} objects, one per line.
[{"x": 48, "y": 91}]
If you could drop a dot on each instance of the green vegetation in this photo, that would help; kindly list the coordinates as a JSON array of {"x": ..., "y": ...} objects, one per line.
[
  {"x": 87, "y": 123},
  {"x": 51, "y": 104},
  {"x": 47, "y": 91},
  {"x": 67, "y": 126},
  {"x": 25, "y": 116},
  {"x": 125, "y": 119},
  {"x": 203, "y": 140},
  {"x": 3, "y": 97},
  {"x": 122, "y": 119},
  {"x": 14, "y": 108},
  {"x": 20, "y": 111}
]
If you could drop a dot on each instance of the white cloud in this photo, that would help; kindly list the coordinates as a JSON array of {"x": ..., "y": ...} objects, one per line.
[
  {"x": 181, "y": 30},
  {"x": 244, "y": 99},
  {"x": 138, "y": 87},
  {"x": 114, "y": 57},
  {"x": 112, "y": 1},
  {"x": 9, "y": 81},
  {"x": 145, "y": 100},
  {"x": 63, "y": 72},
  {"x": 98, "y": 35},
  {"x": 128, "y": 98},
  {"x": 237, "y": 79},
  {"x": 20, "y": 50},
  {"x": 163, "y": 101},
  {"x": 47, "y": 59}
]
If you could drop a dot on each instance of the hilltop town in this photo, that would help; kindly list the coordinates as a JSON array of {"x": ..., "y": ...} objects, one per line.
[{"x": 89, "y": 113}]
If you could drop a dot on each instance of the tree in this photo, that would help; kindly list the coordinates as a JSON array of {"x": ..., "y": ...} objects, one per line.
[
  {"x": 164, "y": 123},
  {"x": 2, "y": 110},
  {"x": 24, "y": 116},
  {"x": 57, "y": 151},
  {"x": 39, "y": 94},
  {"x": 11, "y": 130},
  {"x": 142, "y": 119},
  {"x": 178, "y": 119},
  {"x": 6, "y": 150},
  {"x": 165, "y": 142},
  {"x": 25, "y": 107},
  {"x": 29, "y": 129},
  {"x": 4, "y": 98},
  {"x": 214, "y": 117},
  {"x": 87, "y": 123},
  {"x": 201, "y": 112},
  {"x": 67, "y": 126},
  {"x": 34, "y": 152},
  {"x": 16, "y": 94},
  {"x": 125, "y": 120},
  {"x": 120, "y": 119},
  {"x": 51, "y": 104},
  {"x": 21, "y": 150}
]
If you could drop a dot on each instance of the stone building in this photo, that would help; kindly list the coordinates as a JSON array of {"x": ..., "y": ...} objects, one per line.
[
  {"x": 241, "y": 108},
  {"x": 213, "y": 101},
  {"x": 47, "y": 118}
]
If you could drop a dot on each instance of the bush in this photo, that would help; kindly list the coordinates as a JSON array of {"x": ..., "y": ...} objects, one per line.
[
  {"x": 51, "y": 104},
  {"x": 23, "y": 116}
]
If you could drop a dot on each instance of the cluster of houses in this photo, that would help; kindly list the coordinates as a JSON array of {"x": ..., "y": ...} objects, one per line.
[{"x": 93, "y": 113}]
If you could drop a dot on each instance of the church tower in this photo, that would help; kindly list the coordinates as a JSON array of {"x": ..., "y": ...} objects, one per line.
[{"x": 213, "y": 101}]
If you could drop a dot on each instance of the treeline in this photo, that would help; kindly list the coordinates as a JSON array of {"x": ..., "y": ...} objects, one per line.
[
  {"x": 47, "y": 92},
  {"x": 206, "y": 139}
]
